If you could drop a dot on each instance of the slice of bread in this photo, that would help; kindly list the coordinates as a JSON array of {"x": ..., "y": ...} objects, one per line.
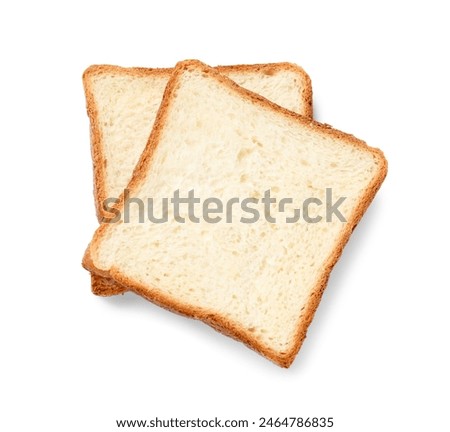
[
  {"x": 122, "y": 104},
  {"x": 258, "y": 282}
]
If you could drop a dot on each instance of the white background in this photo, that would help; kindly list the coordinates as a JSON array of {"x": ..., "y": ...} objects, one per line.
[{"x": 377, "y": 354}]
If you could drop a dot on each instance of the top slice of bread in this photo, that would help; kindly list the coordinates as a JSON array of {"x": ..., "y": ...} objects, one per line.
[
  {"x": 122, "y": 104},
  {"x": 259, "y": 282}
]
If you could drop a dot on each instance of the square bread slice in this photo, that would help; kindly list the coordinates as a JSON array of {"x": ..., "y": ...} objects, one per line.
[
  {"x": 258, "y": 282},
  {"x": 122, "y": 104}
]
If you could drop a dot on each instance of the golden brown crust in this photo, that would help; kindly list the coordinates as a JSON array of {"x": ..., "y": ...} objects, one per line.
[
  {"x": 106, "y": 287},
  {"x": 214, "y": 319}
]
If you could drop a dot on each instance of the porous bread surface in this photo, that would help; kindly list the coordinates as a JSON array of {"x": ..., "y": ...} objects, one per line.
[
  {"x": 122, "y": 106},
  {"x": 259, "y": 282}
]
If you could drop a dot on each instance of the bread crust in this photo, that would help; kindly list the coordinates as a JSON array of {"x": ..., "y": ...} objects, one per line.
[
  {"x": 102, "y": 287},
  {"x": 212, "y": 318}
]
